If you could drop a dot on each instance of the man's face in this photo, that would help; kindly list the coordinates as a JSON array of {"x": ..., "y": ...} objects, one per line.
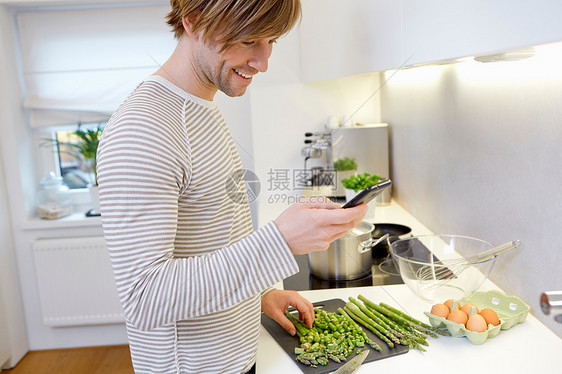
[{"x": 231, "y": 70}]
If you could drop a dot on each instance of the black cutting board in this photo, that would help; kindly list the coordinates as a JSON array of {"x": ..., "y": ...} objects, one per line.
[{"x": 288, "y": 342}]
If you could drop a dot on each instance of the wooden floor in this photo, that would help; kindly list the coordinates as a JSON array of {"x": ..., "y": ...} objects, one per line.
[{"x": 94, "y": 360}]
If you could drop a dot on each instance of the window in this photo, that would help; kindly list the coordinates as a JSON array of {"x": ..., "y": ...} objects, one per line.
[
  {"x": 65, "y": 149},
  {"x": 79, "y": 63},
  {"x": 75, "y": 169}
]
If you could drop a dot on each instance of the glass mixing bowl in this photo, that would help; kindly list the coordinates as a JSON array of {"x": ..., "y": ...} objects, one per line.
[{"x": 434, "y": 270}]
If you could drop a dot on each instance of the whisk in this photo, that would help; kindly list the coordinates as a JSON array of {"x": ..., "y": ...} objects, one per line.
[{"x": 448, "y": 269}]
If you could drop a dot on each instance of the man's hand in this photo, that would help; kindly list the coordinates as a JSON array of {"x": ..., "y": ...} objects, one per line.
[
  {"x": 309, "y": 227},
  {"x": 275, "y": 303}
]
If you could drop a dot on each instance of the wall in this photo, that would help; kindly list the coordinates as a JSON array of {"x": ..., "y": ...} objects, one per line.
[
  {"x": 13, "y": 344},
  {"x": 475, "y": 150},
  {"x": 16, "y": 336}
]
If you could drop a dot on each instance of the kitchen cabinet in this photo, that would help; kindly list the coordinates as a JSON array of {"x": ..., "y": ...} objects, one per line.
[
  {"x": 436, "y": 30},
  {"x": 343, "y": 38}
]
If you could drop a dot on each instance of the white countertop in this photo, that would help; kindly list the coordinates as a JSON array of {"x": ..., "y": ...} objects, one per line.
[{"x": 525, "y": 348}]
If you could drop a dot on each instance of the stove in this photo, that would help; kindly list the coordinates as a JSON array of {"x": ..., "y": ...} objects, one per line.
[{"x": 383, "y": 273}]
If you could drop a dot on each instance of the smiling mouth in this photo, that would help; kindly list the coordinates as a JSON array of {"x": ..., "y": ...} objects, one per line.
[{"x": 247, "y": 76}]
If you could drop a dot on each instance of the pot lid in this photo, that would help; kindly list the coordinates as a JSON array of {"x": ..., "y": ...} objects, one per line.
[{"x": 362, "y": 228}]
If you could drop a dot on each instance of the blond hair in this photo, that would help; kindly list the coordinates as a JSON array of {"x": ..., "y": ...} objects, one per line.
[{"x": 232, "y": 21}]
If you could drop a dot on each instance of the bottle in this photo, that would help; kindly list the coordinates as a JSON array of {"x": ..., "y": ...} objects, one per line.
[{"x": 53, "y": 199}]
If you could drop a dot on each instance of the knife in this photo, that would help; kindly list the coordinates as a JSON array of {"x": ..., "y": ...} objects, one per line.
[{"x": 352, "y": 365}]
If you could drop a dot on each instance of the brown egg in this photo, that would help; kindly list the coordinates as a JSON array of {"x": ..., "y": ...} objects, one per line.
[
  {"x": 467, "y": 307},
  {"x": 490, "y": 316},
  {"x": 458, "y": 316},
  {"x": 449, "y": 304},
  {"x": 440, "y": 310},
  {"x": 476, "y": 323}
]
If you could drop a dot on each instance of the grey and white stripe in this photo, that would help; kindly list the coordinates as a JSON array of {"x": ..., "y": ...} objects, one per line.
[{"x": 189, "y": 270}]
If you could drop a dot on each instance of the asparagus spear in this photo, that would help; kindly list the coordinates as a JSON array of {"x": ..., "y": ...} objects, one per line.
[
  {"x": 401, "y": 320},
  {"x": 412, "y": 319},
  {"x": 378, "y": 323},
  {"x": 359, "y": 317},
  {"x": 332, "y": 337},
  {"x": 350, "y": 320},
  {"x": 420, "y": 337},
  {"x": 301, "y": 328},
  {"x": 411, "y": 336}
]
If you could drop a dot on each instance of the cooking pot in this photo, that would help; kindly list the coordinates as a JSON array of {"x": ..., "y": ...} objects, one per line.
[
  {"x": 348, "y": 257},
  {"x": 395, "y": 231}
]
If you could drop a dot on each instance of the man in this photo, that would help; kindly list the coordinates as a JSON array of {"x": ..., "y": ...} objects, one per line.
[{"x": 192, "y": 275}]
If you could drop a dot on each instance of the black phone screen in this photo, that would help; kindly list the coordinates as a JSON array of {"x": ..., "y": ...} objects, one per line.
[{"x": 368, "y": 194}]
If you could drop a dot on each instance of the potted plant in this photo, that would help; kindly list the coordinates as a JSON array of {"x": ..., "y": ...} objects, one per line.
[
  {"x": 344, "y": 168},
  {"x": 345, "y": 164},
  {"x": 356, "y": 183}
]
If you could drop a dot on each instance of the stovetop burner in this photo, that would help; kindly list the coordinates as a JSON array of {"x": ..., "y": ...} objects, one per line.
[
  {"x": 383, "y": 271},
  {"x": 303, "y": 280}
]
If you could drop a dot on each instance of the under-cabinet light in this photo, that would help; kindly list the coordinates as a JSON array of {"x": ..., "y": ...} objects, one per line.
[{"x": 521, "y": 54}]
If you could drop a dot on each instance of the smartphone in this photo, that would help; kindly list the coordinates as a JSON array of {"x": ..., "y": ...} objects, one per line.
[{"x": 368, "y": 194}]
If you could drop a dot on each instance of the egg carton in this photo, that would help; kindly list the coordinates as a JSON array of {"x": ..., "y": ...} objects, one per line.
[{"x": 511, "y": 310}]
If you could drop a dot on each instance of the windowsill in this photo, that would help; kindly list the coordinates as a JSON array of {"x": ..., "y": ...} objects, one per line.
[{"x": 73, "y": 220}]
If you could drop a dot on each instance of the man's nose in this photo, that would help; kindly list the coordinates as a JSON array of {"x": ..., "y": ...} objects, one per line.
[{"x": 260, "y": 57}]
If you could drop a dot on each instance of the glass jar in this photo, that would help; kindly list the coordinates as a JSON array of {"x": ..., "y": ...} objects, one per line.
[{"x": 53, "y": 199}]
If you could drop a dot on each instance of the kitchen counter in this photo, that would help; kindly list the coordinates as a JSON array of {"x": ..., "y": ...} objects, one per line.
[{"x": 526, "y": 347}]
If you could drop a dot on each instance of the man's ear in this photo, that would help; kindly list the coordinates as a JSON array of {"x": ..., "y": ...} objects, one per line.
[{"x": 188, "y": 26}]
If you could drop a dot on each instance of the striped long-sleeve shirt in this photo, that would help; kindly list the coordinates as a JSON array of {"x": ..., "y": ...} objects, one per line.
[{"x": 189, "y": 269}]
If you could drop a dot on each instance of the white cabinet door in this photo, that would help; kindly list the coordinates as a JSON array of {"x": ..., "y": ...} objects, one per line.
[
  {"x": 341, "y": 38},
  {"x": 435, "y": 30},
  {"x": 348, "y": 37}
]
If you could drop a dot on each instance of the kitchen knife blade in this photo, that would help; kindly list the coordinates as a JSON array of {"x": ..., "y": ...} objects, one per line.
[{"x": 352, "y": 365}]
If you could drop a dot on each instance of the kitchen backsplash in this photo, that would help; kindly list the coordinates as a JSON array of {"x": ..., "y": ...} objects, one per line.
[{"x": 476, "y": 151}]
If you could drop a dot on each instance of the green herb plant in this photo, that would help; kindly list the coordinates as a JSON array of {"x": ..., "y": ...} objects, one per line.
[
  {"x": 344, "y": 164},
  {"x": 360, "y": 181}
]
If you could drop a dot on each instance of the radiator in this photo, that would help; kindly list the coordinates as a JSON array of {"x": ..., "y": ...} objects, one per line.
[{"x": 75, "y": 282}]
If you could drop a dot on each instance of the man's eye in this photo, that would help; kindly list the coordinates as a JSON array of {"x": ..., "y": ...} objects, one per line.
[
  {"x": 248, "y": 43},
  {"x": 273, "y": 41}
]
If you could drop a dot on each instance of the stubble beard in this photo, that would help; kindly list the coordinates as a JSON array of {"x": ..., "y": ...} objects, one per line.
[
  {"x": 219, "y": 74},
  {"x": 226, "y": 83}
]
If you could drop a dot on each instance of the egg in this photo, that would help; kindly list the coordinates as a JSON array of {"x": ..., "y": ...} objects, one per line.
[
  {"x": 476, "y": 323},
  {"x": 440, "y": 310},
  {"x": 449, "y": 304},
  {"x": 468, "y": 307},
  {"x": 458, "y": 316},
  {"x": 490, "y": 316}
]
